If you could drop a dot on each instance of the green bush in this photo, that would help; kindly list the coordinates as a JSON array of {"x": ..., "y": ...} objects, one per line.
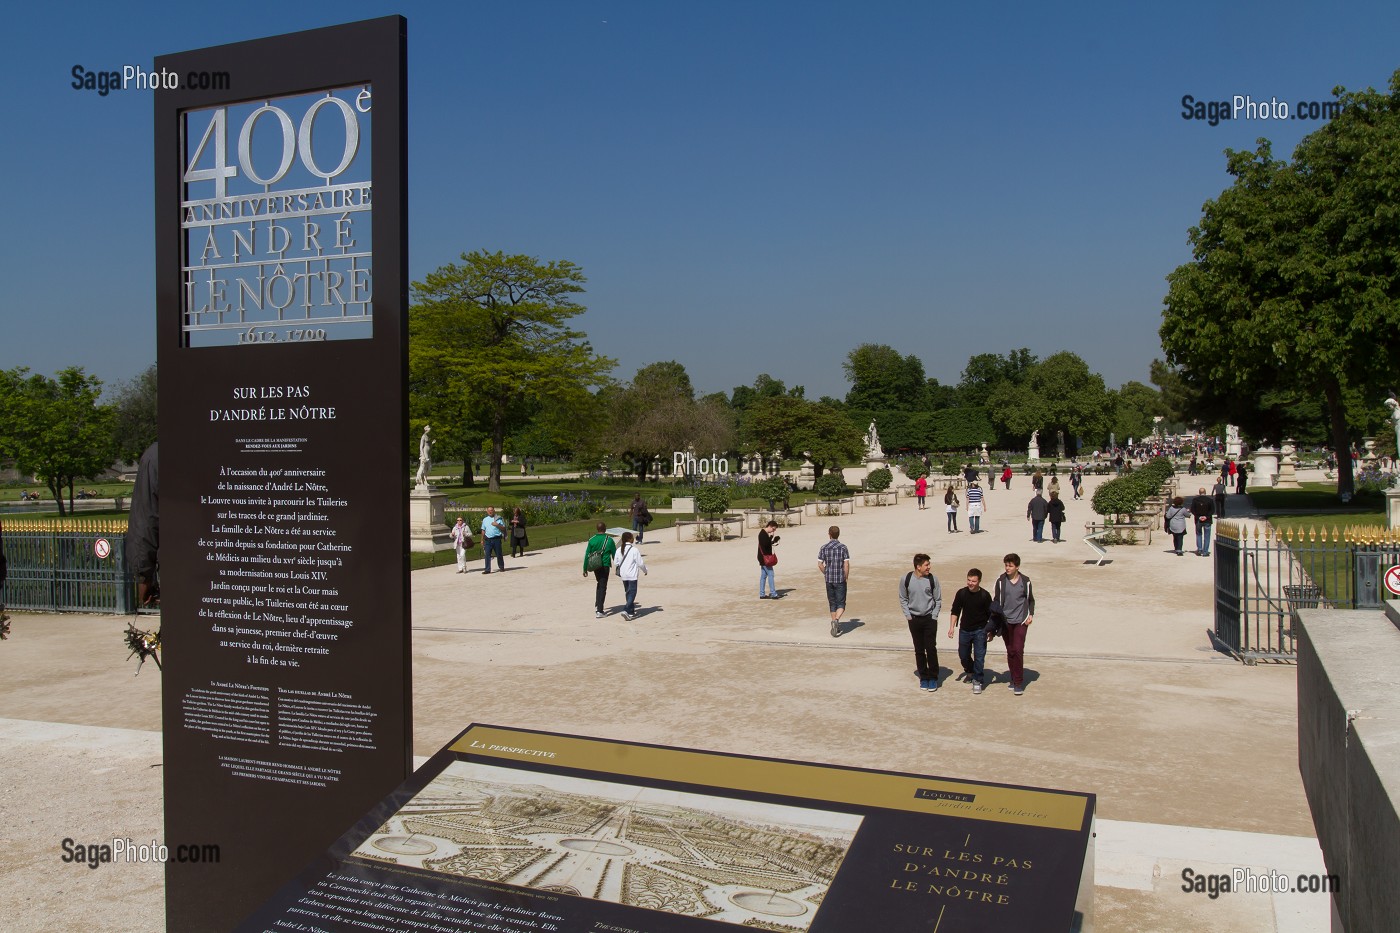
[
  {"x": 712, "y": 500},
  {"x": 913, "y": 467},
  {"x": 879, "y": 480},
  {"x": 1127, "y": 493},
  {"x": 773, "y": 489},
  {"x": 830, "y": 485},
  {"x": 952, "y": 467}
]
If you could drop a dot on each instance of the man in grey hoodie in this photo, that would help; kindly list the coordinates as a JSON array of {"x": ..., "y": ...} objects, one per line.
[
  {"x": 921, "y": 600},
  {"x": 1016, "y": 598}
]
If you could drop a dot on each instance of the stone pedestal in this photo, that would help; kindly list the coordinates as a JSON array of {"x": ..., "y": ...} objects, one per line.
[
  {"x": 1263, "y": 468},
  {"x": 1392, "y": 509},
  {"x": 1288, "y": 466},
  {"x": 1033, "y": 453},
  {"x": 427, "y": 521},
  {"x": 807, "y": 476}
]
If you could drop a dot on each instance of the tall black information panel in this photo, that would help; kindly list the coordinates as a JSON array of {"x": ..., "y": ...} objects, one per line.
[{"x": 281, "y": 263}]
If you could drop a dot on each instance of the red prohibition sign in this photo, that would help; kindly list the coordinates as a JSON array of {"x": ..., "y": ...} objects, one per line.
[
  {"x": 101, "y": 547},
  {"x": 1392, "y": 580}
]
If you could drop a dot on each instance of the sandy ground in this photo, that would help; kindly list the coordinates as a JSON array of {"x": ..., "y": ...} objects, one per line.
[{"x": 1125, "y": 699}]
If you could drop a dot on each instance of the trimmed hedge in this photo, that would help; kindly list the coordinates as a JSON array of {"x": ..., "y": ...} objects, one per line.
[
  {"x": 1127, "y": 493},
  {"x": 830, "y": 485},
  {"x": 712, "y": 500},
  {"x": 879, "y": 480}
]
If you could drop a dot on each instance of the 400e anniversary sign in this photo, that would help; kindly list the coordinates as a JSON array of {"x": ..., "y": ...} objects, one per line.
[{"x": 281, "y": 292}]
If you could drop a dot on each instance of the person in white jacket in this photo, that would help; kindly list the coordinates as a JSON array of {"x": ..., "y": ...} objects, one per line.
[{"x": 629, "y": 563}]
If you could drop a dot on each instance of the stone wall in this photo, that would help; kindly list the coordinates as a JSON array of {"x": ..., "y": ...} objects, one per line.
[{"x": 1349, "y": 756}]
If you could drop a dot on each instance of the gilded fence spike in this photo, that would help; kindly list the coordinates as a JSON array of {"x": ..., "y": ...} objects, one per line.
[{"x": 1312, "y": 534}]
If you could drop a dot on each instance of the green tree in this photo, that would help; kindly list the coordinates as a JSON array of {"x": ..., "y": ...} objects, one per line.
[
  {"x": 1058, "y": 394},
  {"x": 657, "y": 415},
  {"x": 134, "y": 415},
  {"x": 55, "y": 428},
  {"x": 494, "y": 330},
  {"x": 881, "y": 378},
  {"x": 985, "y": 371},
  {"x": 1134, "y": 407},
  {"x": 1294, "y": 281},
  {"x": 764, "y": 386},
  {"x": 796, "y": 427}
]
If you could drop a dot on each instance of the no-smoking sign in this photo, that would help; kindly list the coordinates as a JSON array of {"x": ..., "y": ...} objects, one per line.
[
  {"x": 103, "y": 548},
  {"x": 1392, "y": 580}
]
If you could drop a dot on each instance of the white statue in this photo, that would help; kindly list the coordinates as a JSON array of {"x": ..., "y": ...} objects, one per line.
[
  {"x": 425, "y": 452},
  {"x": 1035, "y": 438},
  {"x": 872, "y": 443}
]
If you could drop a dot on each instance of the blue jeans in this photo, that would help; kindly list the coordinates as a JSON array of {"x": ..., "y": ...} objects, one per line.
[
  {"x": 974, "y": 523},
  {"x": 493, "y": 544},
  {"x": 639, "y": 528},
  {"x": 1038, "y": 530},
  {"x": 766, "y": 573},
  {"x": 836, "y": 595},
  {"x": 972, "y": 651},
  {"x": 629, "y": 589},
  {"x": 1203, "y": 538}
]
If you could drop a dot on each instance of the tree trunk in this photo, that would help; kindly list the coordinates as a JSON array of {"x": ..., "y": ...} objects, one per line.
[
  {"x": 55, "y": 485},
  {"x": 1341, "y": 444},
  {"x": 498, "y": 444}
]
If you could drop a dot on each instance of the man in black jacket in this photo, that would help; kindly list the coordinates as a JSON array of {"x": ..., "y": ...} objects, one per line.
[
  {"x": 1036, "y": 510},
  {"x": 1203, "y": 509}
]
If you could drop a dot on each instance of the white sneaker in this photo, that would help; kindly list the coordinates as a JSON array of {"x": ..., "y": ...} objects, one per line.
[{"x": 597, "y": 615}]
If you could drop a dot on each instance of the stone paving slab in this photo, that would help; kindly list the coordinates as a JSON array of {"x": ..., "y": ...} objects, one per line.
[{"x": 1192, "y": 755}]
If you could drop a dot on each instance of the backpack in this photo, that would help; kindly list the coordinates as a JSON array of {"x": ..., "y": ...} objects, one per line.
[{"x": 909, "y": 575}]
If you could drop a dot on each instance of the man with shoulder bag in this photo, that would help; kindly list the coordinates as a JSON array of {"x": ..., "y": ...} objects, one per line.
[{"x": 597, "y": 560}]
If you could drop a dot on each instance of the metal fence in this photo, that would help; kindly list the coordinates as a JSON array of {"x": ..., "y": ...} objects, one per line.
[
  {"x": 1263, "y": 575},
  {"x": 67, "y": 565}
]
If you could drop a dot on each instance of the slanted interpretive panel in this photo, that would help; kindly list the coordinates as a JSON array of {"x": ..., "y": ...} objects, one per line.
[{"x": 520, "y": 831}]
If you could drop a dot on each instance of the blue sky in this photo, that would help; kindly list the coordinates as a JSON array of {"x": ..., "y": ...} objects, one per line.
[{"x": 749, "y": 186}]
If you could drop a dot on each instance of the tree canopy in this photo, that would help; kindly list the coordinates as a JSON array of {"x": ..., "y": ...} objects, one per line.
[
  {"x": 796, "y": 427},
  {"x": 1295, "y": 276},
  {"x": 657, "y": 414},
  {"x": 881, "y": 378},
  {"x": 489, "y": 338},
  {"x": 54, "y": 428},
  {"x": 134, "y": 415}
]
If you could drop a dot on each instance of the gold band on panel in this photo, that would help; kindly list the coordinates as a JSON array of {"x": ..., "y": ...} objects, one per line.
[{"x": 795, "y": 779}]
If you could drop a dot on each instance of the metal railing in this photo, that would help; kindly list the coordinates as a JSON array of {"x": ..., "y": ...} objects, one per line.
[
  {"x": 67, "y": 565},
  {"x": 1263, "y": 576}
]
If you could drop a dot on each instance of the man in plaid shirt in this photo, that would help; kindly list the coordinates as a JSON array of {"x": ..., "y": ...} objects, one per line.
[{"x": 834, "y": 561}]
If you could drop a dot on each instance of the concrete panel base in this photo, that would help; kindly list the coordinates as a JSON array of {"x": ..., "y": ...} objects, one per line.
[{"x": 1349, "y": 756}]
